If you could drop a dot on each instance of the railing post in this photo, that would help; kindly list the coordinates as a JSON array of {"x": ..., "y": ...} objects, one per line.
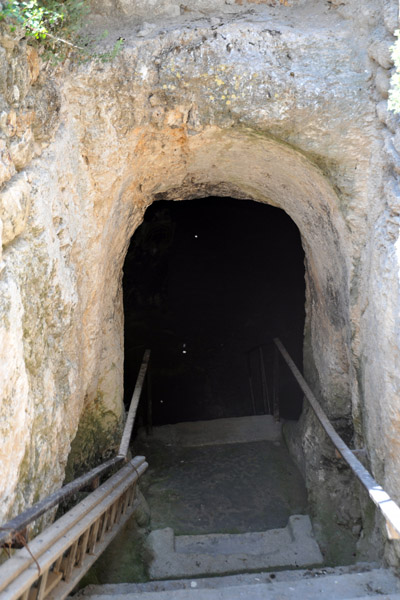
[
  {"x": 265, "y": 395},
  {"x": 126, "y": 436},
  {"x": 253, "y": 399},
  {"x": 149, "y": 417},
  {"x": 275, "y": 393}
]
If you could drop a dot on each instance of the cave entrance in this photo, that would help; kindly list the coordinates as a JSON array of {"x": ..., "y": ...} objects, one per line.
[
  {"x": 213, "y": 166},
  {"x": 207, "y": 284}
]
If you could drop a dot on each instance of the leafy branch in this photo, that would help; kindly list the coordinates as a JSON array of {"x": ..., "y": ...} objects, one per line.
[
  {"x": 55, "y": 25},
  {"x": 52, "y": 24}
]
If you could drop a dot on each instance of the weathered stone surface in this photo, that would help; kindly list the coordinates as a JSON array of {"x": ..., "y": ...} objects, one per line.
[
  {"x": 33, "y": 64},
  {"x": 22, "y": 150},
  {"x": 271, "y": 103},
  {"x": 155, "y": 8},
  {"x": 387, "y": 117},
  {"x": 3, "y": 67},
  {"x": 29, "y": 104},
  {"x": 380, "y": 51},
  {"x": 7, "y": 168},
  {"x": 391, "y": 15},
  {"x": 382, "y": 82},
  {"x": 396, "y": 141},
  {"x": 14, "y": 208},
  {"x": 16, "y": 410}
]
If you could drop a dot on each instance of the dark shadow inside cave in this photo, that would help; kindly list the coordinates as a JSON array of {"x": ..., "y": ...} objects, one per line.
[{"x": 206, "y": 283}]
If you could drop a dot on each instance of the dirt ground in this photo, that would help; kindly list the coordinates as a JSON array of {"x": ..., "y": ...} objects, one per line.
[{"x": 228, "y": 488}]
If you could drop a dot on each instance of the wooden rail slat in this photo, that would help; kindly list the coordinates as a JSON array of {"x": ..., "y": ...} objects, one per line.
[
  {"x": 92, "y": 537},
  {"x": 71, "y": 560},
  {"x": 132, "y": 494},
  {"x": 41, "y": 593},
  {"x": 105, "y": 519},
  {"x": 57, "y": 565},
  {"x": 113, "y": 513},
  {"x": 380, "y": 498},
  {"x": 83, "y": 547},
  {"x": 125, "y": 502},
  {"x": 52, "y": 581}
]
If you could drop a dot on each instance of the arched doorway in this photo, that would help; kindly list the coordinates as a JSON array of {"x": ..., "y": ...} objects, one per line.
[
  {"x": 241, "y": 164},
  {"x": 207, "y": 285}
]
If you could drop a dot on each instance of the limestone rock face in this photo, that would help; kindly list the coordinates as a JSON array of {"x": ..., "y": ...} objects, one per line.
[
  {"x": 280, "y": 104},
  {"x": 14, "y": 208}
]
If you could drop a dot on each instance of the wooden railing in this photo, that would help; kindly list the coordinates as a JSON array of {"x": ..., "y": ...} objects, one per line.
[
  {"x": 50, "y": 565},
  {"x": 380, "y": 498},
  {"x": 58, "y": 558}
]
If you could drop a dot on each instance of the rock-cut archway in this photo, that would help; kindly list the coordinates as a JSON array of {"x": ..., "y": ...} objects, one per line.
[
  {"x": 208, "y": 283},
  {"x": 106, "y": 198},
  {"x": 242, "y": 164}
]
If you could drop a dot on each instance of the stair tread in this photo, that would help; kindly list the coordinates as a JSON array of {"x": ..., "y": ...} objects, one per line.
[
  {"x": 380, "y": 583},
  {"x": 232, "y": 430},
  {"x": 287, "y": 576},
  {"x": 261, "y": 542},
  {"x": 238, "y": 595},
  {"x": 216, "y": 554}
]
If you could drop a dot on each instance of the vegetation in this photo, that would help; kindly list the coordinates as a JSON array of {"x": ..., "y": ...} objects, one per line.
[
  {"x": 394, "y": 94},
  {"x": 54, "y": 26}
]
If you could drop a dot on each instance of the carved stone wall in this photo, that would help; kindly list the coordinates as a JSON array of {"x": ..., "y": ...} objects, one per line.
[{"x": 283, "y": 104}]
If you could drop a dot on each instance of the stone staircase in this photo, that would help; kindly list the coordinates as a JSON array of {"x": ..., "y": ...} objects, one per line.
[
  {"x": 220, "y": 554},
  {"x": 277, "y": 564}
]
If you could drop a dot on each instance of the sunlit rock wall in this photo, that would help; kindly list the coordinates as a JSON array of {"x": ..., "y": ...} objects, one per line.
[
  {"x": 285, "y": 104},
  {"x": 53, "y": 327}
]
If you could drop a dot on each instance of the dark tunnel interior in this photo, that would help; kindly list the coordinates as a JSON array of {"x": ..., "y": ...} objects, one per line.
[{"x": 207, "y": 283}]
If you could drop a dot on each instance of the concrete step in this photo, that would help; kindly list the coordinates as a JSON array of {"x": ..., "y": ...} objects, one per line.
[
  {"x": 218, "y": 554},
  {"x": 356, "y": 582},
  {"x": 219, "y": 431}
]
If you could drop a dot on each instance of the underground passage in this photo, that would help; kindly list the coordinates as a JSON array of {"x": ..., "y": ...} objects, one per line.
[{"x": 208, "y": 284}]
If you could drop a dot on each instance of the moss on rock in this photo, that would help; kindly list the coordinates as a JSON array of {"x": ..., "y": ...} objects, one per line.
[{"x": 97, "y": 438}]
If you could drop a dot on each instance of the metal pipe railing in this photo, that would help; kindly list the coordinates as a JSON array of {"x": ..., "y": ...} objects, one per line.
[
  {"x": 380, "y": 498},
  {"x": 21, "y": 521},
  {"x": 130, "y": 420}
]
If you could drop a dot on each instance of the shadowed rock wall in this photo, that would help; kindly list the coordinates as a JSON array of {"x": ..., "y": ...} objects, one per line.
[{"x": 279, "y": 104}]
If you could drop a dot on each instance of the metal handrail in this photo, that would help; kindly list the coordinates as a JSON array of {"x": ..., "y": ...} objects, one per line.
[
  {"x": 21, "y": 521},
  {"x": 380, "y": 498},
  {"x": 130, "y": 420}
]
